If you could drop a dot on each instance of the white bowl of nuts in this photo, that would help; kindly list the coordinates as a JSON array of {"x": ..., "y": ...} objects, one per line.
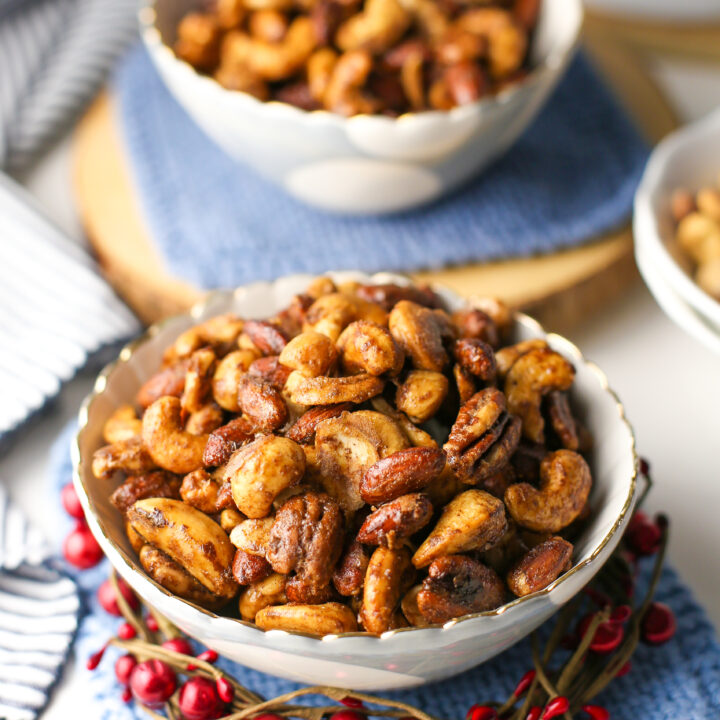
[
  {"x": 677, "y": 218},
  {"x": 378, "y": 485},
  {"x": 362, "y": 108}
]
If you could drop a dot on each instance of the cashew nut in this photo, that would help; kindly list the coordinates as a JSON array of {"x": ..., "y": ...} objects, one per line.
[
  {"x": 565, "y": 484},
  {"x": 169, "y": 445},
  {"x": 421, "y": 394},
  {"x": 311, "y": 353},
  {"x": 259, "y": 595},
  {"x": 123, "y": 424},
  {"x": 386, "y": 575},
  {"x": 326, "y": 619},
  {"x": 474, "y": 520},
  {"x": 261, "y": 470}
]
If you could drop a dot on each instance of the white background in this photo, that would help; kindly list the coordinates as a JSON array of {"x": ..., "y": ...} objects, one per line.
[{"x": 670, "y": 386}]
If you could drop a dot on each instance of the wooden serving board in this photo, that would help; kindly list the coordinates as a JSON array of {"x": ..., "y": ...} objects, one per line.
[
  {"x": 684, "y": 40},
  {"x": 559, "y": 289}
]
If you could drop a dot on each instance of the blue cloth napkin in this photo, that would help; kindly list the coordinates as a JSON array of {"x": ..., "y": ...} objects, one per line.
[
  {"x": 216, "y": 223},
  {"x": 677, "y": 681}
]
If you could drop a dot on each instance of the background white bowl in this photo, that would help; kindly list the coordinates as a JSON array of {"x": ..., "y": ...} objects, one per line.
[
  {"x": 365, "y": 164},
  {"x": 400, "y": 658},
  {"x": 688, "y": 158}
]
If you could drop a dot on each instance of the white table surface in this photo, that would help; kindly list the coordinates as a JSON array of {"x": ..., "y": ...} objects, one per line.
[{"x": 670, "y": 386}]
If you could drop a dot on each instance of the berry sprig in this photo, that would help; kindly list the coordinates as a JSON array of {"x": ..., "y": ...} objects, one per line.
[{"x": 595, "y": 635}]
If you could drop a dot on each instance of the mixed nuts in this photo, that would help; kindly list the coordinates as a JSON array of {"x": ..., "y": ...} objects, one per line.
[
  {"x": 698, "y": 233},
  {"x": 361, "y": 56},
  {"x": 362, "y": 460}
]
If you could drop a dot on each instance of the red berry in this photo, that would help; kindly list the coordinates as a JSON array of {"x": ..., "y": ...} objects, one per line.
[
  {"x": 658, "y": 624},
  {"x": 179, "y": 645},
  {"x": 534, "y": 713},
  {"x": 152, "y": 682},
  {"x": 209, "y": 656},
  {"x": 596, "y": 712},
  {"x": 352, "y": 702},
  {"x": 126, "y": 695},
  {"x": 347, "y": 715},
  {"x": 608, "y": 635},
  {"x": 556, "y": 706},
  {"x": 126, "y": 632},
  {"x": 621, "y": 614},
  {"x": 108, "y": 599},
  {"x": 644, "y": 466},
  {"x": 524, "y": 684},
  {"x": 152, "y": 624},
  {"x": 642, "y": 535},
  {"x": 624, "y": 670},
  {"x": 268, "y": 716},
  {"x": 71, "y": 502},
  {"x": 81, "y": 549},
  {"x": 199, "y": 700},
  {"x": 481, "y": 712},
  {"x": 123, "y": 667},
  {"x": 94, "y": 660},
  {"x": 225, "y": 690}
]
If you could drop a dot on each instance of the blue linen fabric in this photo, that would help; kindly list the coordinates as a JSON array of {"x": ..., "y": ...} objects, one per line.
[
  {"x": 679, "y": 680},
  {"x": 570, "y": 177}
]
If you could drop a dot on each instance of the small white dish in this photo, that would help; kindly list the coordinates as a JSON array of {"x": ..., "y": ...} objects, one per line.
[
  {"x": 399, "y": 658},
  {"x": 674, "y": 306},
  {"x": 688, "y": 158},
  {"x": 366, "y": 164}
]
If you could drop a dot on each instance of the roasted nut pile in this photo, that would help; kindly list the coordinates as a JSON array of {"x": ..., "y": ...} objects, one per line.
[
  {"x": 364, "y": 459},
  {"x": 362, "y": 56},
  {"x": 698, "y": 233}
]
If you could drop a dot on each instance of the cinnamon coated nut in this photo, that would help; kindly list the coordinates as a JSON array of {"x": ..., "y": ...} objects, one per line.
[
  {"x": 540, "y": 566},
  {"x": 158, "y": 483},
  {"x": 261, "y": 403},
  {"x": 261, "y": 470},
  {"x": 303, "y": 430},
  {"x": 326, "y": 619},
  {"x": 421, "y": 394},
  {"x": 306, "y": 539},
  {"x": 396, "y": 520},
  {"x": 385, "y": 581},
  {"x": 457, "y": 585},
  {"x": 405, "y": 471}
]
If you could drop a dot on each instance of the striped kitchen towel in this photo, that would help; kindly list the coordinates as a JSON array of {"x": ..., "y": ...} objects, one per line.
[
  {"x": 55, "y": 308},
  {"x": 39, "y": 614},
  {"x": 54, "y": 55}
]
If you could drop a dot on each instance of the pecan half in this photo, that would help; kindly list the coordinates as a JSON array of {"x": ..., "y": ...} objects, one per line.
[
  {"x": 153, "y": 484},
  {"x": 457, "y": 585},
  {"x": 405, "y": 471},
  {"x": 400, "y": 518},
  {"x": 303, "y": 431},
  {"x": 306, "y": 539},
  {"x": 261, "y": 403},
  {"x": 483, "y": 438},
  {"x": 267, "y": 338},
  {"x": 224, "y": 441},
  {"x": 540, "y": 566}
]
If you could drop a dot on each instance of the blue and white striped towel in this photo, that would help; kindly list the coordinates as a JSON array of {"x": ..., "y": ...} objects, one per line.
[
  {"x": 55, "y": 309},
  {"x": 54, "y": 55},
  {"x": 39, "y": 614}
]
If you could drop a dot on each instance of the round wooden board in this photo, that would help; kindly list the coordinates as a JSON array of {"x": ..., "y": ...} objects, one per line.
[{"x": 559, "y": 289}]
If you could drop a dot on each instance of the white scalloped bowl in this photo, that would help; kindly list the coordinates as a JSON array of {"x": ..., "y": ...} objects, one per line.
[
  {"x": 399, "y": 658},
  {"x": 367, "y": 164},
  {"x": 687, "y": 158}
]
